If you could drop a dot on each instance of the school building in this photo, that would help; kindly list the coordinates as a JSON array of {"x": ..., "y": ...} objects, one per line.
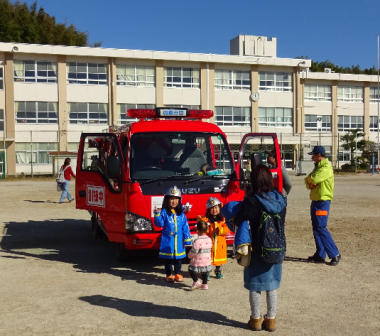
[{"x": 50, "y": 94}]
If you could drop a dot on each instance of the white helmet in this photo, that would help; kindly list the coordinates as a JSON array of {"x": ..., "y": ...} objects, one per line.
[
  {"x": 212, "y": 201},
  {"x": 173, "y": 192}
]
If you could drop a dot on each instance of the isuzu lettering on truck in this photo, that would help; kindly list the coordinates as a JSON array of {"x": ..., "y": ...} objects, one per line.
[{"x": 123, "y": 174}]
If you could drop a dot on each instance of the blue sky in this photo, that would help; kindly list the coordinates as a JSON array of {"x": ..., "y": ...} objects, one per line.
[{"x": 345, "y": 32}]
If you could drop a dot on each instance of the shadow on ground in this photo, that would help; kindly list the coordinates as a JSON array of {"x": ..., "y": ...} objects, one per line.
[
  {"x": 147, "y": 309},
  {"x": 71, "y": 241}
]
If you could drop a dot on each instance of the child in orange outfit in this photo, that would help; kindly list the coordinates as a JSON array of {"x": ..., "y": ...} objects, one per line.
[{"x": 217, "y": 231}]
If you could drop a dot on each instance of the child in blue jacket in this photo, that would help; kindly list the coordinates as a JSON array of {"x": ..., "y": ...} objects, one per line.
[{"x": 175, "y": 233}]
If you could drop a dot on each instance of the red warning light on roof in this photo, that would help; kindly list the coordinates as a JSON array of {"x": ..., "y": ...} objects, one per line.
[
  {"x": 161, "y": 112},
  {"x": 200, "y": 114},
  {"x": 141, "y": 113}
]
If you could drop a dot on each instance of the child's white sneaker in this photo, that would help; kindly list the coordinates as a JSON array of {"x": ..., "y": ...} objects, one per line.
[
  {"x": 204, "y": 287},
  {"x": 196, "y": 285}
]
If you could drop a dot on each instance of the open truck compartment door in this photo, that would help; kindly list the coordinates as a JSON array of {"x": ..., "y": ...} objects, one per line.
[
  {"x": 99, "y": 179},
  {"x": 256, "y": 146}
]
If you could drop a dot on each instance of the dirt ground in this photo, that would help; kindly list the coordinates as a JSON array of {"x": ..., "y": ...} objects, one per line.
[{"x": 57, "y": 280}]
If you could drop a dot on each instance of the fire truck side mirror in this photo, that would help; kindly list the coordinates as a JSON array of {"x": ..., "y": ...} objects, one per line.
[{"x": 113, "y": 167}]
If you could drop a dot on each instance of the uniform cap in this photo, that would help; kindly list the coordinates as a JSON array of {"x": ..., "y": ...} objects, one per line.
[
  {"x": 317, "y": 150},
  {"x": 174, "y": 191},
  {"x": 212, "y": 201}
]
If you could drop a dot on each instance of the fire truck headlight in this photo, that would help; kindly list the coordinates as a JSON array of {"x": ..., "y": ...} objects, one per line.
[
  {"x": 143, "y": 224},
  {"x": 134, "y": 222}
]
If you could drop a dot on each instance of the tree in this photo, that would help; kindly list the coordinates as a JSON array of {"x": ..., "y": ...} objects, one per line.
[
  {"x": 354, "y": 141},
  {"x": 23, "y": 24},
  {"x": 354, "y": 69}
]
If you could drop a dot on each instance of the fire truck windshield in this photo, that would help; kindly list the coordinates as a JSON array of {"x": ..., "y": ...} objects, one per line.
[{"x": 182, "y": 155}]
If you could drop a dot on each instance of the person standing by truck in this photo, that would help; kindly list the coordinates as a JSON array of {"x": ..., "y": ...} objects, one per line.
[
  {"x": 68, "y": 172},
  {"x": 175, "y": 233},
  {"x": 320, "y": 182},
  {"x": 217, "y": 231}
]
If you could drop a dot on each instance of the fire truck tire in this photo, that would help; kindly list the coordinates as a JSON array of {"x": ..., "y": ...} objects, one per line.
[
  {"x": 96, "y": 230},
  {"x": 122, "y": 253}
]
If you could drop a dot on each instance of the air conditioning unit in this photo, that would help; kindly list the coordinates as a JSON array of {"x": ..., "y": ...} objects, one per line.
[{"x": 328, "y": 70}]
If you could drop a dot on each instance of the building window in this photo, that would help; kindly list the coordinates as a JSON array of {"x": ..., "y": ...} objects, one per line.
[
  {"x": 346, "y": 123},
  {"x": 344, "y": 154},
  {"x": 275, "y": 117},
  {"x": 232, "y": 80},
  {"x": 135, "y": 75},
  {"x": 181, "y": 77},
  {"x": 373, "y": 124},
  {"x": 36, "y": 152},
  {"x": 35, "y": 71},
  {"x": 1, "y": 79},
  {"x": 275, "y": 81},
  {"x": 350, "y": 94},
  {"x": 317, "y": 92},
  {"x": 72, "y": 146},
  {"x": 122, "y": 109},
  {"x": 87, "y": 73},
  {"x": 233, "y": 116},
  {"x": 1, "y": 120},
  {"x": 87, "y": 113},
  {"x": 36, "y": 112},
  {"x": 373, "y": 95},
  {"x": 317, "y": 123}
]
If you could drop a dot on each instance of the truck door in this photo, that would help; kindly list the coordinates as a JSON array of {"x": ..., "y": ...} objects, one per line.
[
  {"x": 259, "y": 148},
  {"x": 99, "y": 186}
]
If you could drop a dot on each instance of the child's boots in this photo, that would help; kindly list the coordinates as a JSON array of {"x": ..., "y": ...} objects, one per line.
[
  {"x": 255, "y": 323},
  {"x": 218, "y": 274},
  {"x": 269, "y": 324}
]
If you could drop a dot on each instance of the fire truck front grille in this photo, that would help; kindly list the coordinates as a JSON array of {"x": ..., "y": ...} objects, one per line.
[{"x": 192, "y": 223}]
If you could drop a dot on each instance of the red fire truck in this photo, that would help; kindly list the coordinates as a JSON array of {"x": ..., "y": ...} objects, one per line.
[{"x": 123, "y": 174}]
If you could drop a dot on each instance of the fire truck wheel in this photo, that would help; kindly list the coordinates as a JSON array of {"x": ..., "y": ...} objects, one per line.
[
  {"x": 122, "y": 253},
  {"x": 96, "y": 230}
]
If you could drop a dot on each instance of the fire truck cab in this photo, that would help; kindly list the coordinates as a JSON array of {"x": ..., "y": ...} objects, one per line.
[{"x": 123, "y": 174}]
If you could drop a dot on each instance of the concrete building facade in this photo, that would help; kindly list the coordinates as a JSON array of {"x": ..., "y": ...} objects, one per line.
[{"x": 49, "y": 95}]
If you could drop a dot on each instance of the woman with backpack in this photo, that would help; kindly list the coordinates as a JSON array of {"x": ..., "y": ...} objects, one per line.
[
  {"x": 68, "y": 172},
  {"x": 265, "y": 268}
]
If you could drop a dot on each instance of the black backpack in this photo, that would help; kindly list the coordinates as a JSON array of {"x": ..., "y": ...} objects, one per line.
[{"x": 268, "y": 240}]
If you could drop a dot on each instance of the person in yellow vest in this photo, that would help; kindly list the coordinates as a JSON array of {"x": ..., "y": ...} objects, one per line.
[{"x": 217, "y": 231}]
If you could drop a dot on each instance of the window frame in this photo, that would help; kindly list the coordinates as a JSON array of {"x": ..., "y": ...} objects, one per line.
[
  {"x": 27, "y": 76},
  {"x": 86, "y": 74},
  {"x": 344, "y": 90},
  {"x": 263, "y": 82},
  {"x": 373, "y": 95},
  {"x": 180, "y": 83},
  {"x": 222, "y": 121},
  {"x": 89, "y": 121},
  {"x": 373, "y": 123},
  {"x": 320, "y": 125},
  {"x": 342, "y": 120},
  {"x": 1, "y": 78},
  {"x": 318, "y": 97},
  {"x": 231, "y": 85},
  {"x": 35, "y": 153},
  {"x": 2, "y": 120},
  {"x": 28, "y": 120},
  {"x": 272, "y": 120},
  {"x": 135, "y": 82}
]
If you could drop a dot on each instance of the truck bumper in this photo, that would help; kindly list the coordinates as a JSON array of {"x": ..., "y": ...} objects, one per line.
[{"x": 142, "y": 241}]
